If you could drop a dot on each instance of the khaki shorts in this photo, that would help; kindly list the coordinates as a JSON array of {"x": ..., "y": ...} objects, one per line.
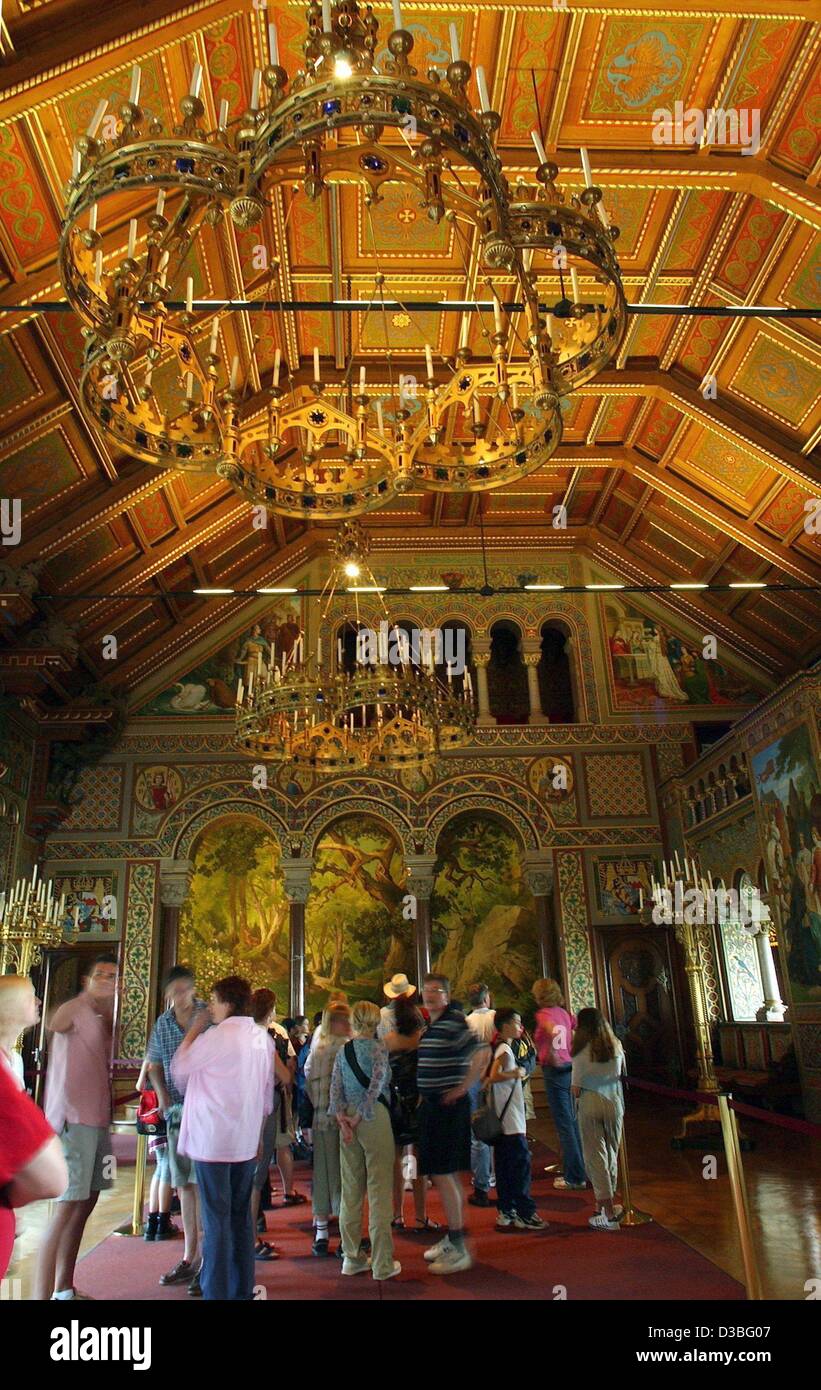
[
  {"x": 182, "y": 1170},
  {"x": 90, "y": 1162}
]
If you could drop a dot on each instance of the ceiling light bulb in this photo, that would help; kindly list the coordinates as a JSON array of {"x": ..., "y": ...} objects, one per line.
[
  {"x": 343, "y": 68},
  {"x": 352, "y": 570}
]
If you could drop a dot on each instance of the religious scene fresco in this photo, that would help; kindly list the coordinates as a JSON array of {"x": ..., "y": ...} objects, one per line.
[
  {"x": 236, "y": 918},
  {"x": 356, "y": 936},
  {"x": 483, "y": 924},
  {"x": 651, "y": 666},
  {"x": 786, "y": 781},
  {"x": 211, "y": 687}
]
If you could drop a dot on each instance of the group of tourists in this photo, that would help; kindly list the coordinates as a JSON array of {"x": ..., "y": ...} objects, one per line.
[{"x": 412, "y": 1095}]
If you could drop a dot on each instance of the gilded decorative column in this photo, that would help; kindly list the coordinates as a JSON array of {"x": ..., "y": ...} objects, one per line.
[
  {"x": 538, "y": 875},
  {"x": 531, "y": 657},
  {"x": 481, "y": 661},
  {"x": 420, "y": 884},
  {"x": 175, "y": 885},
  {"x": 297, "y": 875}
]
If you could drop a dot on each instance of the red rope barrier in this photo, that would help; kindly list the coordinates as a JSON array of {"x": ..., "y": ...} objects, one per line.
[{"x": 766, "y": 1117}]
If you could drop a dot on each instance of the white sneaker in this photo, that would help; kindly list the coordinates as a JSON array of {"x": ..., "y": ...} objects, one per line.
[
  {"x": 439, "y": 1249},
  {"x": 504, "y": 1221},
  {"x": 73, "y": 1297},
  {"x": 600, "y": 1222},
  {"x": 452, "y": 1262},
  {"x": 357, "y": 1266},
  {"x": 397, "y": 1269}
]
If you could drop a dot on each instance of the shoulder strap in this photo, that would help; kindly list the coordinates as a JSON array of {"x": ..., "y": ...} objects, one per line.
[
  {"x": 364, "y": 1081},
  {"x": 511, "y": 1084}
]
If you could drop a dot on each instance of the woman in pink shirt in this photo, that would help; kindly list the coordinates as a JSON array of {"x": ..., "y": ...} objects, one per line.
[
  {"x": 553, "y": 1037},
  {"x": 227, "y": 1075}
]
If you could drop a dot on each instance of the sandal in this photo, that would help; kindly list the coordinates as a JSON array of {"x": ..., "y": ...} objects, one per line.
[
  {"x": 427, "y": 1225},
  {"x": 398, "y": 1223},
  {"x": 293, "y": 1199}
]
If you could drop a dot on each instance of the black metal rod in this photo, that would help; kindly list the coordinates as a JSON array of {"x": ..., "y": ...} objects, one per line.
[
  {"x": 483, "y": 591},
  {"x": 449, "y": 306}
]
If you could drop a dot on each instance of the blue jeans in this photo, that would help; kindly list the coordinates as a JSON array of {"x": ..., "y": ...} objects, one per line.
[
  {"x": 557, "y": 1086},
  {"x": 479, "y": 1153},
  {"x": 227, "y": 1230},
  {"x": 513, "y": 1175}
]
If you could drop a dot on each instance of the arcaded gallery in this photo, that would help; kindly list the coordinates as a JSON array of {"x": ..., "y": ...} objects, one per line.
[{"x": 410, "y": 621}]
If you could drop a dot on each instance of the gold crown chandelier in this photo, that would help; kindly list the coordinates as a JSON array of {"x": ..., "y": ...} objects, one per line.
[
  {"x": 387, "y": 713},
  {"x": 304, "y": 450}
]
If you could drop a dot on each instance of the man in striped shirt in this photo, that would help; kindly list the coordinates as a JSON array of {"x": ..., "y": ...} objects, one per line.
[{"x": 450, "y": 1060}]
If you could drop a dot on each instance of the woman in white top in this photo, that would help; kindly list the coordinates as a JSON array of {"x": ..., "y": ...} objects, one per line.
[
  {"x": 19, "y": 1010},
  {"x": 598, "y": 1063}
]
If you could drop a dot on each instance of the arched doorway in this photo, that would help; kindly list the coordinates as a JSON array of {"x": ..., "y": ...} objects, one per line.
[
  {"x": 235, "y": 920},
  {"x": 356, "y": 936}
]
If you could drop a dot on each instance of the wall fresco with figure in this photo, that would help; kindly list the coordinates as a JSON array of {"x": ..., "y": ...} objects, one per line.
[
  {"x": 356, "y": 937},
  {"x": 236, "y": 918},
  {"x": 211, "y": 686},
  {"x": 786, "y": 781},
  {"x": 651, "y": 666},
  {"x": 482, "y": 913}
]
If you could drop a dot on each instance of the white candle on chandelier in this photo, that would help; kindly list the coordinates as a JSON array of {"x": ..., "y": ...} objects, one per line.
[
  {"x": 189, "y": 294},
  {"x": 222, "y": 120},
  {"x": 215, "y": 333},
  {"x": 477, "y": 410},
  {"x": 319, "y": 651},
  {"x": 134, "y": 94},
  {"x": 326, "y": 16},
  {"x": 540, "y": 149},
  {"x": 277, "y": 366},
  {"x": 196, "y": 81},
  {"x": 429, "y": 361},
  {"x": 397, "y": 15},
  {"x": 514, "y": 394},
  {"x": 497, "y": 316},
  {"x": 574, "y": 280},
  {"x": 76, "y": 163},
  {"x": 273, "y": 45},
  {"x": 481, "y": 83},
  {"x": 189, "y": 385},
  {"x": 92, "y": 218},
  {"x": 339, "y": 651},
  {"x": 602, "y": 212},
  {"x": 147, "y": 379},
  {"x": 379, "y": 418},
  {"x": 454, "y": 44},
  {"x": 234, "y": 380},
  {"x": 160, "y": 208},
  {"x": 163, "y": 266},
  {"x": 97, "y": 119},
  {"x": 98, "y": 267},
  {"x": 361, "y": 381},
  {"x": 240, "y": 691},
  {"x": 588, "y": 177},
  {"x": 132, "y": 238},
  {"x": 255, "y": 89},
  {"x": 317, "y": 377}
]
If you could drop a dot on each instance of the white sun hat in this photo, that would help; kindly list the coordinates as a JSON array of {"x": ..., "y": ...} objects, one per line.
[{"x": 399, "y": 985}]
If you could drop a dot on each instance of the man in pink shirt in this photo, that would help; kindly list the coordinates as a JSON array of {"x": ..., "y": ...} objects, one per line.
[
  {"x": 78, "y": 1108},
  {"x": 227, "y": 1075}
]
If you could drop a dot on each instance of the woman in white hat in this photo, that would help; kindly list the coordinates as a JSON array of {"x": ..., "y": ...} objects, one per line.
[{"x": 400, "y": 1028}]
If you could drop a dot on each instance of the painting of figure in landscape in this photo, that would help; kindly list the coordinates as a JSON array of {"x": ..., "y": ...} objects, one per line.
[
  {"x": 236, "y": 919},
  {"x": 356, "y": 936},
  {"x": 652, "y": 667},
  {"x": 483, "y": 914}
]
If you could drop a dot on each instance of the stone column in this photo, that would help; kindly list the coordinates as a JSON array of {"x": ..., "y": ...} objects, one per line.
[
  {"x": 773, "y": 1009},
  {"x": 538, "y": 875},
  {"x": 420, "y": 884},
  {"x": 297, "y": 875},
  {"x": 532, "y": 655},
  {"x": 481, "y": 661},
  {"x": 175, "y": 883}
]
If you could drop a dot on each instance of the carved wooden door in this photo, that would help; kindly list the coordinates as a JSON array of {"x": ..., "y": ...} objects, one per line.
[{"x": 639, "y": 984}]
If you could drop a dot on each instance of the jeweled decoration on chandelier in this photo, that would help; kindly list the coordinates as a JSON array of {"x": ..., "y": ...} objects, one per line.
[
  {"x": 386, "y": 714},
  {"x": 301, "y": 446}
]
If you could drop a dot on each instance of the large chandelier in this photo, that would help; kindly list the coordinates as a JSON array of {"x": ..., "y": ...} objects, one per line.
[
  {"x": 387, "y": 713},
  {"x": 303, "y": 447}
]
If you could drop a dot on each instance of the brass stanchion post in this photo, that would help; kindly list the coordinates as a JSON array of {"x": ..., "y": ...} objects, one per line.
[
  {"x": 632, "y": 1215},
  {"x": 139, "y": 1186},
  {"x": 738, "y": 1188}
]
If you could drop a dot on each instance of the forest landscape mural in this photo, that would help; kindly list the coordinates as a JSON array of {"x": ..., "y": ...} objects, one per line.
[
  {"x": 786, "y": 782},
  {"x": 483, "y": 925},
  {"x": 356, "y": 936},
  {"x": 236, "y": 918}
]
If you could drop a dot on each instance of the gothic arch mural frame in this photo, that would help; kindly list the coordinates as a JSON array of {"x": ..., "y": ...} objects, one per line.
[
  {"x": 477, "y": 803},
  {"x": 185, "y": 821},
  {"x": 315, "y": 827}
]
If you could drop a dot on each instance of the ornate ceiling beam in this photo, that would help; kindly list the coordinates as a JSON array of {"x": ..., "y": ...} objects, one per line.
[{"x": 88, "y": 514}]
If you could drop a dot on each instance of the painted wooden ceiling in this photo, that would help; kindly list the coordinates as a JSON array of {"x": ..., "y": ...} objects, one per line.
[{"x": 661, "y": 484}]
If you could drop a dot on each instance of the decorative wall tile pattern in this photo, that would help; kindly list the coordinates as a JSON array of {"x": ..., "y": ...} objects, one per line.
[
  {"x": 671, "y": 759},
  {"x": 102, "y": 789},
  {"x": 615, "y": 784},
  {"x": 141, "y": 895},
  {"x": 580, "y": 987}
]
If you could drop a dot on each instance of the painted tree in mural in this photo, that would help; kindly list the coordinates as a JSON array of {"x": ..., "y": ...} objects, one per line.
[
  {"x": 236, "y": 917},
  {"x": 356, "y": 936},
  {"x": 483, "y": 917}
]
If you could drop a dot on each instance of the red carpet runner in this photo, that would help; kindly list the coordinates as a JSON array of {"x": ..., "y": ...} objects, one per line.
[{"x": 645, "y": 1262}]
